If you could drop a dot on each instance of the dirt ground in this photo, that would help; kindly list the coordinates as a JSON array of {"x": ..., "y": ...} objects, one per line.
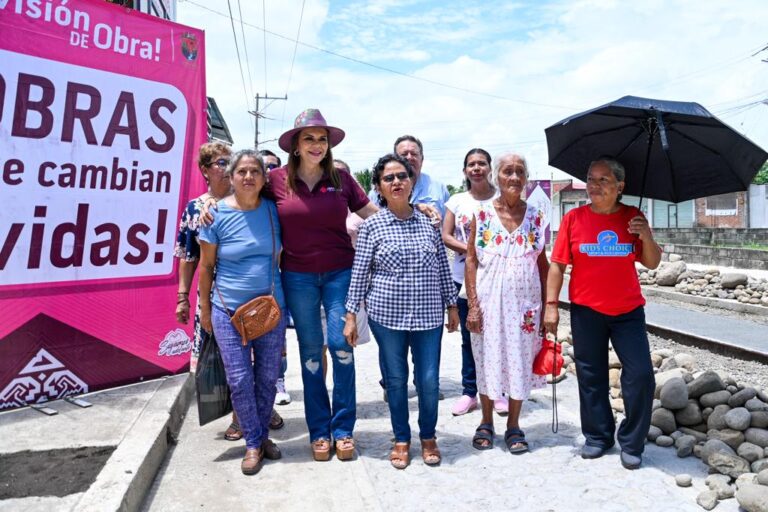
[{"x": 51, "y": 472}]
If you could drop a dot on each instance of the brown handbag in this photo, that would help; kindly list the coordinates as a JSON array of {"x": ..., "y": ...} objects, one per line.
[{"x": 260, "y": 315}]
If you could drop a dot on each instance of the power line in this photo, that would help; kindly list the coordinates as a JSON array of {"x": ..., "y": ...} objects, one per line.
[
  {"x": 394, "y": 71},
  {"x": 293, "y": 60},
  {"x": 245, "y": 48},
  {"x": 264, "y": 17},
  {"x": 237, "y": 49}
]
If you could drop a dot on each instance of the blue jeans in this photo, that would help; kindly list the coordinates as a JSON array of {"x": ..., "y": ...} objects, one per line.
[
  {"x": 304, "y": 293},
  {"x": 627, "y": 332},
  {"x": 251, "y": 374},
  {"x": 468, "y": 374},
  {"x": 393, "y": 354}
]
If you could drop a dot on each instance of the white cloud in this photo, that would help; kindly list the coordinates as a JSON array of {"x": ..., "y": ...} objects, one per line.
[{"x": 568, "y": 55}]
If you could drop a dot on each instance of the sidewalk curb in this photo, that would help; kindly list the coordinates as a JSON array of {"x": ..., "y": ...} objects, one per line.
[
  {"x": 714, "y": 302},
  {"x": 128, "y": 474}
]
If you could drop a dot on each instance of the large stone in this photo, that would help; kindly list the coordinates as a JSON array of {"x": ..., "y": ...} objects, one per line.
[
  {"x": 683, "y": 480},
  {"x": 762, "y": 477},
  {"x": 654, "y": 432},
  {"x": 732, "y": 438},
  {"x": 707, "y": 382},
  {"x": 758, "y": 436},
  {"x": 759, "y": 419},
  {"x": 716, "y": 419},
  {"x": 686, "y": 361},
  {"x": 753, "y": 498},
  {"x": 664, "y": 352},
  {"x": 746, "y": 479},
  {"x": 714, "y": 398},
  {"x": 674, "y": 257},
  {"x": 755, "y": 404},
  {"x": 689, "y": 415},
  {"x": 741, "y": 397},
  {"x": 721, "y": 484},
  {"x": 738, "y": 418},
  {"x": 727, "y": 464},
  {"x": 733, "y": 279},
  {"x": 701, "y": 437},
  {"x": 664, "y": 419},
  {"x": 713, "y": 446},
  {"x": 684, "y": 445},
  {"x": 664, "y": 441},
  {"x": 656, "y": 360},
  {"x": 674, "y": 394},
  {"x": 667, "y": 273},
  {"x": 749, "y": 452},
  {"x": 759, "y": 465},
  {"x": 762, "y": 394},
  {"x": 707, "y": 500}
]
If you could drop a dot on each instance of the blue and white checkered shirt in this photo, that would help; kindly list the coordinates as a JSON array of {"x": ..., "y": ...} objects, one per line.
[{"x": 401, "y": 271}]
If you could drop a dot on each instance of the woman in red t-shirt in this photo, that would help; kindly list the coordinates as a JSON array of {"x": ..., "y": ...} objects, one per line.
[{"x": 602, "y": 241}]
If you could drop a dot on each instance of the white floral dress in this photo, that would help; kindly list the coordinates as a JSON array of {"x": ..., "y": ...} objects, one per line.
[{"x": 509, "y": 293}]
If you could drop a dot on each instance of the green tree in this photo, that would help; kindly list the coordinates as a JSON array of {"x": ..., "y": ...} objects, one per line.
[
  {"x": 364, "y": 179},
  {"x": 761, "y": 178},
  {"x": 452, "y": 189}
]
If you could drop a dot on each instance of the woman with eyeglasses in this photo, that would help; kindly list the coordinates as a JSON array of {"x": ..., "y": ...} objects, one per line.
[
  {"x": 401, "y": 272},
  {"x": 213, "y": 159}
]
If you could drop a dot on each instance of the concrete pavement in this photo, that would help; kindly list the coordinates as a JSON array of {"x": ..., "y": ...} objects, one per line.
[{"x": 202, "y": 470}]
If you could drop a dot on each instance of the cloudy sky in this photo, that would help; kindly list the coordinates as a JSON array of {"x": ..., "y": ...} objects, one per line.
[{"x": 460, "y": 74}]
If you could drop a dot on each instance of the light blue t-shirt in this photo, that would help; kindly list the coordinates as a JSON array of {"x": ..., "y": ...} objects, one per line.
[
  {"x": 426, "y": 191},
  {"x": 244, "y": 253}
]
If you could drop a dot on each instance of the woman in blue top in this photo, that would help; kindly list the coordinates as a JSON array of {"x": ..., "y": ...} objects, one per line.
[
  {"x": 401, "y": 271},
  {"x": 243, "y": 245}
]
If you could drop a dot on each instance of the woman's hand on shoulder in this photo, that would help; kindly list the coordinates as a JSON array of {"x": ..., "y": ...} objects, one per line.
[
  {"x": 431, "y": 212},
  {"x": 207, "y": 210}
]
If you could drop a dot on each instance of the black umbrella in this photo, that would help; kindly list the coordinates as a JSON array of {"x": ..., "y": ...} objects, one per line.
[{"x": 672, "y": 150}]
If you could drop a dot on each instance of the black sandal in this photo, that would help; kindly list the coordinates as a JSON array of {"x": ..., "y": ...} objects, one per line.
[
  {"x": 515, "y": 436},
  {"x": 483, "y": 433},
  {"x": 233, "y": 433}
]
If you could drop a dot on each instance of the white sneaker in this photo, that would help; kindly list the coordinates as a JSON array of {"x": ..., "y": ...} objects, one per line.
[{"x": 282, "y": 397}]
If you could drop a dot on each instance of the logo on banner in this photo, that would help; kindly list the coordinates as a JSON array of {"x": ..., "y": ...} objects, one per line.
[
  {"x": 175, "y": 343},
  {"x": 189, "y": 45},
  {"x": 43, "y": 378},
  {"x": 607, "y": 245}
]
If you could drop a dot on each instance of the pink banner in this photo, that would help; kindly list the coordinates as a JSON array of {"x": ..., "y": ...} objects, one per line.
[{"x": 101, "y": 111}]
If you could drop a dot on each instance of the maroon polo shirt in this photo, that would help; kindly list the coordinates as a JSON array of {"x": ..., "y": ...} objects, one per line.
[{"x": 313, "y": 221}]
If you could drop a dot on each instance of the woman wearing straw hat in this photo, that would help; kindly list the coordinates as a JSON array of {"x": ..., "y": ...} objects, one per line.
[{"x": 313, "y": 199}]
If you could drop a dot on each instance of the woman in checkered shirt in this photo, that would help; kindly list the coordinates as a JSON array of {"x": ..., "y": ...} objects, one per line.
[{"x": 401, "y": 271}]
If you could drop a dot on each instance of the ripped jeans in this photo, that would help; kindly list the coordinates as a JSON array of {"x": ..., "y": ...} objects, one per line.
[{"x": 304, "y": 293}]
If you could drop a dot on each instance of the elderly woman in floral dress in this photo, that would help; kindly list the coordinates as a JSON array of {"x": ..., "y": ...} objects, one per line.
[{"x": 505, "y": 275}]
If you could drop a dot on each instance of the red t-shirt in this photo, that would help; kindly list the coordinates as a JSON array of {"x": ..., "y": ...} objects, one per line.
[
  {"x": 313, "y": 222},
  {"x": 599, "y": 247}
]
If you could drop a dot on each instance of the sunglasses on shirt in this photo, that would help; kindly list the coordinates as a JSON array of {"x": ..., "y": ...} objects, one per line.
[{"x": 389, "y": 178}]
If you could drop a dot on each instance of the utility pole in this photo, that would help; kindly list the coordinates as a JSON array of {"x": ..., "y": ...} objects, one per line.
[{"x": 259, "y": 115}]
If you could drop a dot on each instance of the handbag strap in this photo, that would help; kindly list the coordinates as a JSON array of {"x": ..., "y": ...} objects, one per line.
[{"x": 271, "y": 262}]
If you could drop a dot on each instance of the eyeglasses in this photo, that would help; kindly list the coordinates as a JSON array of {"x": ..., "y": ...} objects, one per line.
[
  {"x": 389, "y": 178},
  {"x": 222, "y": 163},
  {"x": 271, "y": 166}
]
